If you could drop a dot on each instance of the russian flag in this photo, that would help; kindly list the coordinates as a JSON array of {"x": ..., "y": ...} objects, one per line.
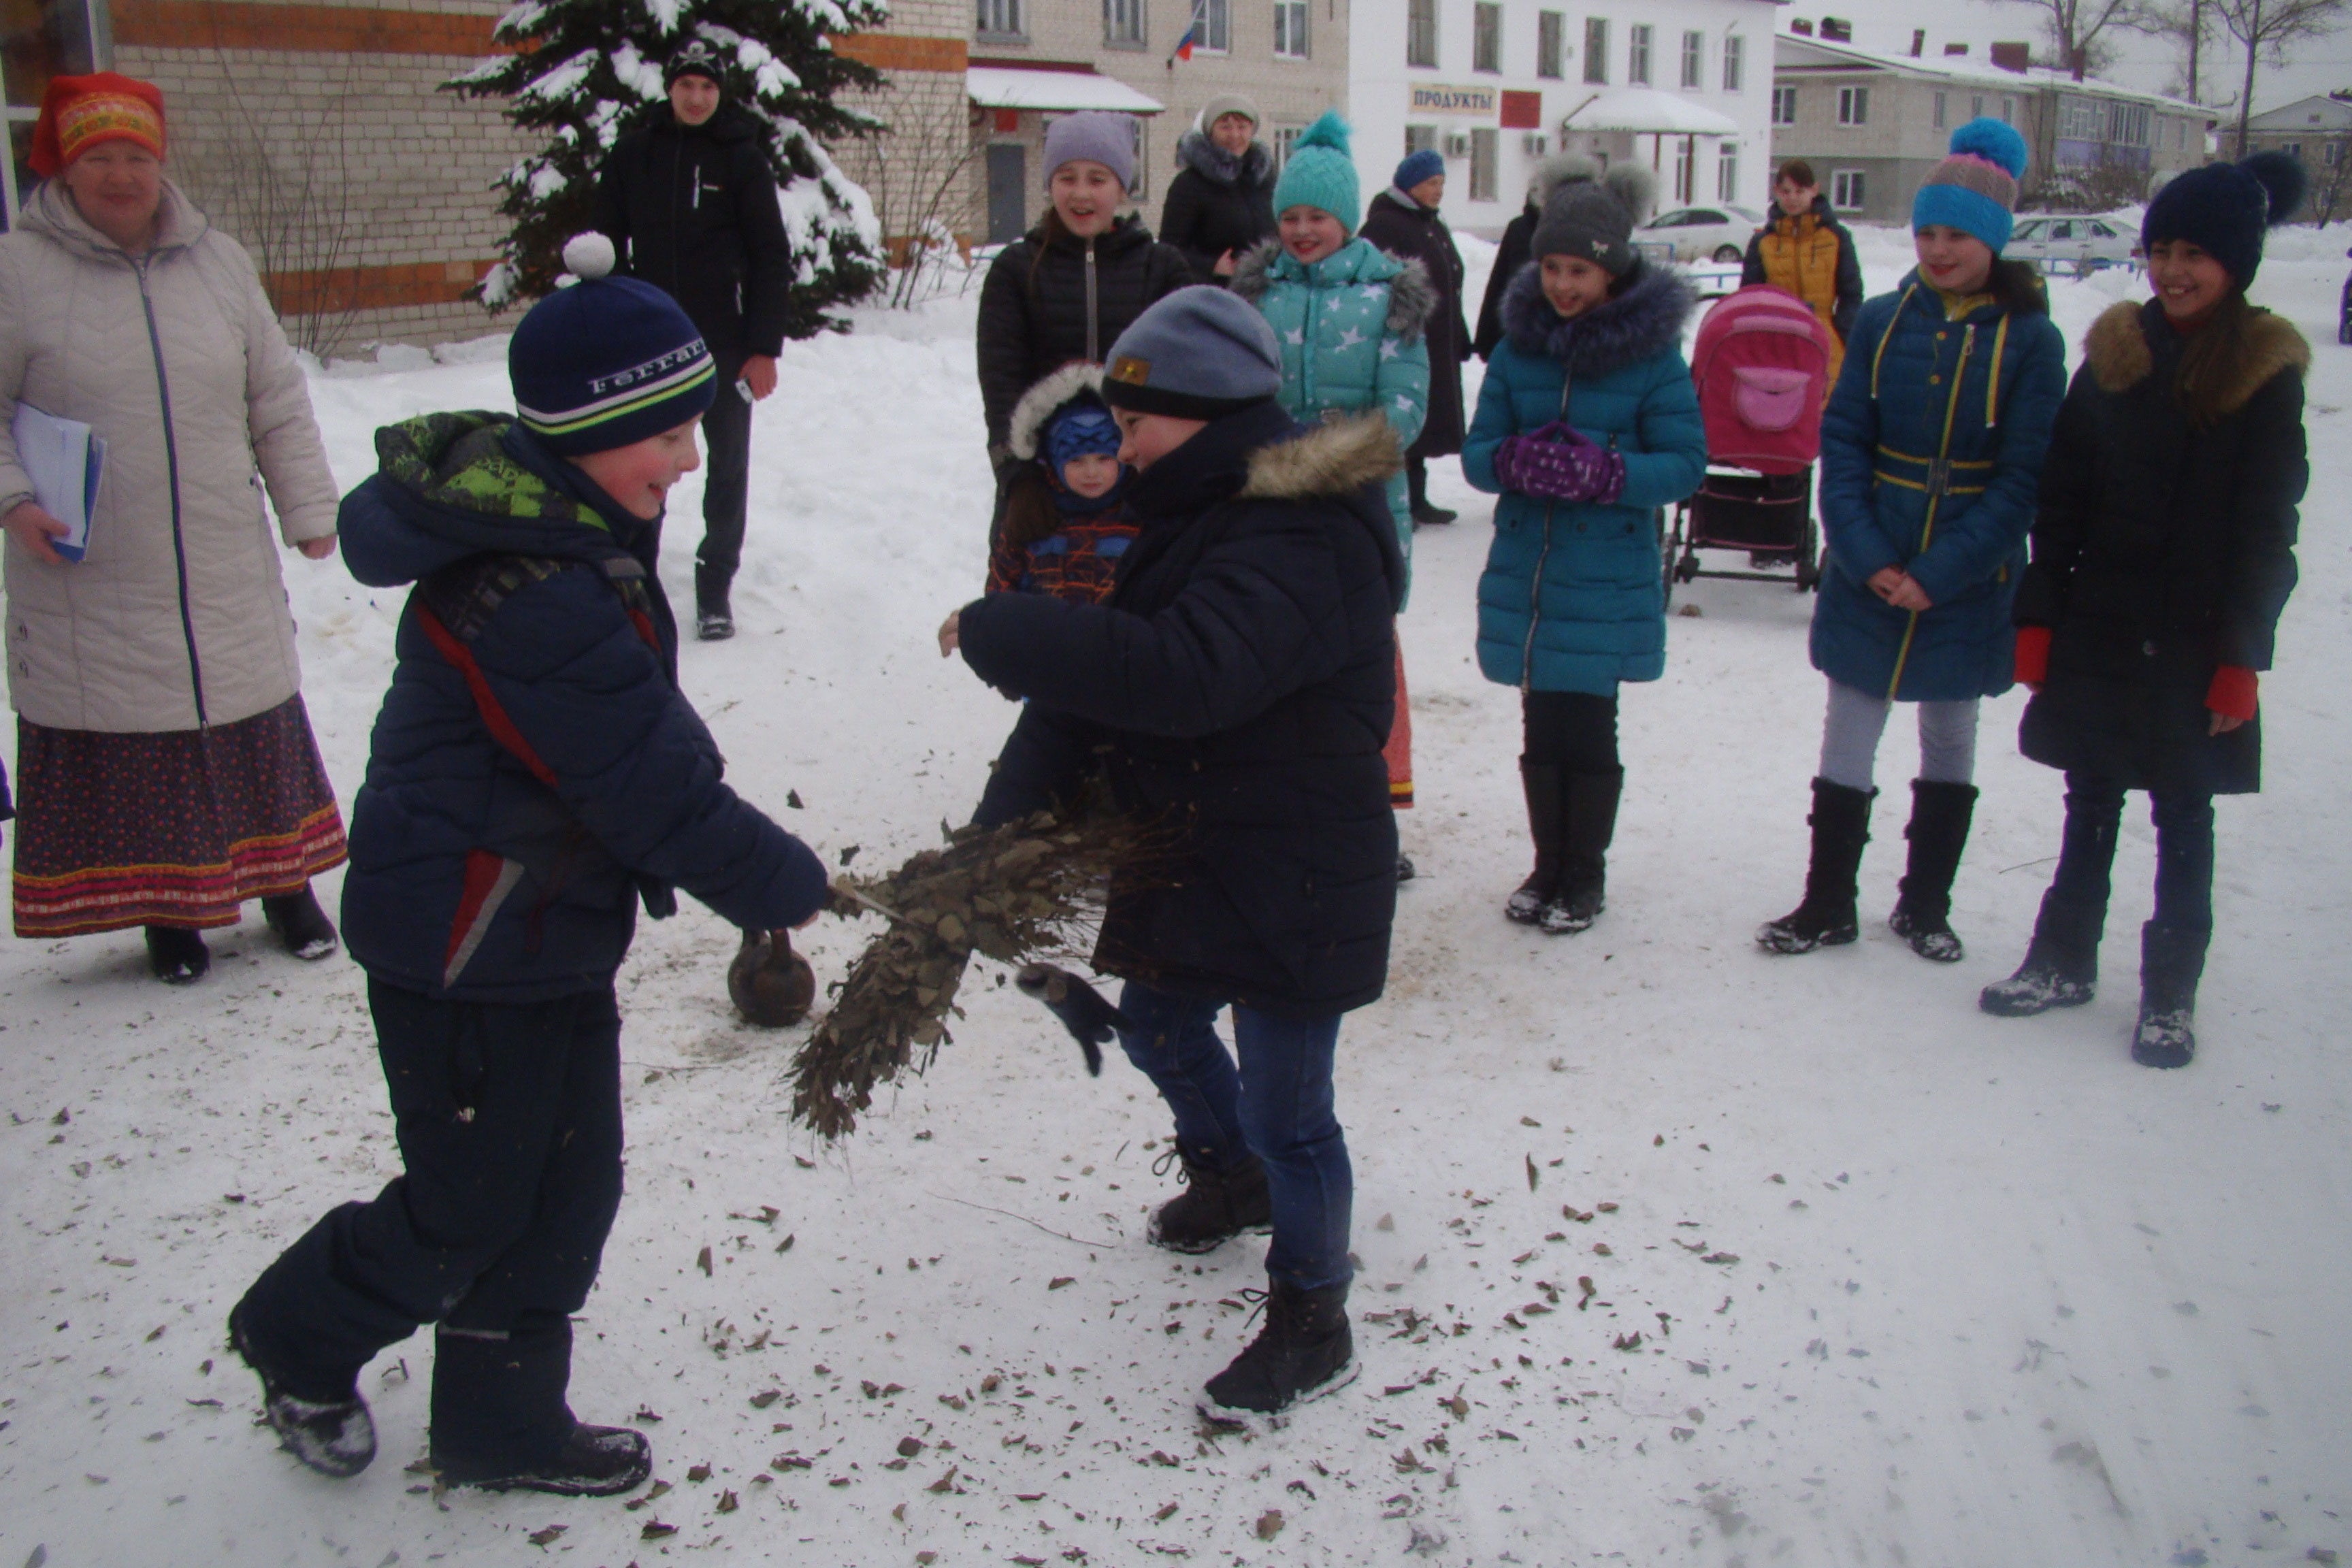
[{"x": 1184, "y": 44}]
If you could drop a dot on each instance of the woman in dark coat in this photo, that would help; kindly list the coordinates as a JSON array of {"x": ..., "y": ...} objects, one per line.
[
  {"x": 1068, "y": 288},
  {"x": 1235, "y": 690},
  {"x": 1220, "y": 203},
  {"x": 1634, "y": 187},
  {"x": 1403, "y": 222},
  {"x": 2163, "y": 553}
]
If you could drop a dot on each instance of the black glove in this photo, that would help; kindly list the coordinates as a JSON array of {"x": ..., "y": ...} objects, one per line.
[{"x": 1083, "y": 1010}]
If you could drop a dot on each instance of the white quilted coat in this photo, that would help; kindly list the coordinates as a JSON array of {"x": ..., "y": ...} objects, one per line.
[{"x": 177, "y": 617}]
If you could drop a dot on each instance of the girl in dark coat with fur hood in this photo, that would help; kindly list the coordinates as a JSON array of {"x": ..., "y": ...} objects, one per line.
[
  {"x": 1587, "y": 422},
  {"x": 2163, "y": 553}
]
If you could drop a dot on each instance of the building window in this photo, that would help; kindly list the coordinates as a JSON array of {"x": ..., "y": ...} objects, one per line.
[
  {"x": 1784, "y": 106},
  {"x": 1845, "y": 190},
  {"x": 1486, "y": 153},
  {"x": 1486, "y": 37},
  {"x": 1976, "y": 106},
  {"x": 1853, "y": 106},
  {"x": 1420, "y": 139},
  {"x": 1693, "y": 59},
  {"x": 2181, "y": 143},
  {"x": 1003, "y": 18},
  {"x": 1551, "y": 37},
  {"x": 1123, "y": 24},
  {"x": 1290, "y": 29},
  {"x": 2128, "y": 124},
  {"x": 1213, "y": 26},
  {"x": 2078, "y": 119},
  {"x": 1735, "y": 48},
  {"x": 2009, "y": 111},
  {"x": 1726, "y": 173},
  {"x": 1940, "y": 111},
  {"x": 1285, "y": 137},
  {"x": 1420, "y": 33},
  {"x": 1686, "y": 170},
  {"x": 2293, "y": 150},
  {"x": 54, "y": 38},
  {"x": 1596, "y": 49},
  {"x": 1637, "y": 53},
  {"x": 2332, "y": 153}
]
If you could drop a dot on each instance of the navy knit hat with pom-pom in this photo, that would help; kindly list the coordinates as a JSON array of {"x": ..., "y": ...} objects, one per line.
[
  {"x": 1975, "y": 189},
  {"x": 2223, "y": 208},
  {"x": 606, "y": 362}
]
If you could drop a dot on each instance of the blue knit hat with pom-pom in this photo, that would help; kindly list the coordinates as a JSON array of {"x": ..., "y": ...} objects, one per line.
[
  {"x": 608, "y": 361},
  {"x": 1321, "y": 174},
  {"x": 2223, "y": 208},
  {"x": 1975, "y": 189}
]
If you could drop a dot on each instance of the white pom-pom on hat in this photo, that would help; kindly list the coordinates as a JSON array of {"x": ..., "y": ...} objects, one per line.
[{"x": 589, "y": 255}]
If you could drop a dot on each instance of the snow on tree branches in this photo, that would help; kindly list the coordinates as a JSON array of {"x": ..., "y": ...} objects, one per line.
[{"x": 581, "y": 72}]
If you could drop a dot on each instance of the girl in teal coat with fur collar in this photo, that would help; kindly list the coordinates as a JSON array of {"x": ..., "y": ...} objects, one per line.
[{"x": 1587, "y": 423}]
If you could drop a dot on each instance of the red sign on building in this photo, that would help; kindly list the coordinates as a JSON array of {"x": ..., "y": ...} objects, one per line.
[{"x": 1522, "y": 110}]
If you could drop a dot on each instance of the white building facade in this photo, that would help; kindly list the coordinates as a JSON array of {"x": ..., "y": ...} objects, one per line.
[{"x": 1684, "y": 87}]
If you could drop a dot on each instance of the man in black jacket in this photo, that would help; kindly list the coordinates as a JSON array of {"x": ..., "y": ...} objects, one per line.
[
  {"x": 689, "y": 201},
  {"x": 1236, "y": 689}
]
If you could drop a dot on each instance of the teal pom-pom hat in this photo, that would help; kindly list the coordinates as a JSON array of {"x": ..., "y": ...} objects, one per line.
[
  {"x": 1321, "y": 173},
  {"x": 1974, "y": 190}
]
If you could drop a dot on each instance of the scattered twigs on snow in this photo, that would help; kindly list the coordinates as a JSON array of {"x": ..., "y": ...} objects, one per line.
[
  {"x": 1024, "y": 890},
  {"x": 1025, "y": 1219}
]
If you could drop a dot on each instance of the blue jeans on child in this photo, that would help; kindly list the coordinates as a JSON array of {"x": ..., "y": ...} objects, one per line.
[{"x": 1276, "y": 1103}]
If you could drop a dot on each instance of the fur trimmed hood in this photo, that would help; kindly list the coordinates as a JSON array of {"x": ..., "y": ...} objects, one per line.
[
  {"x": 1196, "y": 152},
  {"x": 2116, "y": 349},
  {"x": 1412, "y": 297},
  {"x": 1645, "y": 319},
  {"x": 1335, "y": 459},
  {"x": 1073, "y": 381}
]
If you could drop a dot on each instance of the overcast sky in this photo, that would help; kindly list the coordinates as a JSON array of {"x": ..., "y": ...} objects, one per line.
[{"x": 2320, "y": 65}]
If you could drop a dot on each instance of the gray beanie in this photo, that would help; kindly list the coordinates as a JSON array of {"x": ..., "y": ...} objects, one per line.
[
  {"x": 1586, "y": 220},
  {"x": 1226, "y": 103},
  {"x": 1096, "y": 136},
  {"x": 1200, "y": 353}
]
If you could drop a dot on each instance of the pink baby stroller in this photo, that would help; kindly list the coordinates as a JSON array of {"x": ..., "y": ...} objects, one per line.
[{"x": 1762, "y": 370}]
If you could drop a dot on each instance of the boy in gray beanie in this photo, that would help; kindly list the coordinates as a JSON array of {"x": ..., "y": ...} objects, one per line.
[{"x": 1234, "y": 692}]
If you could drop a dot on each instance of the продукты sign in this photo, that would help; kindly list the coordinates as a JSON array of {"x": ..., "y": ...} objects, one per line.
[{"x": 1430, "y": 98}]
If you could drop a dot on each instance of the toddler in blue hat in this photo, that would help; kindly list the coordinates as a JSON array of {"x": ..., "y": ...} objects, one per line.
[{"x": 1065, "y": 524}]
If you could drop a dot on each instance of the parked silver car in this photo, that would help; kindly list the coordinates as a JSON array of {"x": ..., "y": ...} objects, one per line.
[
  {"x": 2075, "y": 242},
  {"x": 1718, "y": 233}
]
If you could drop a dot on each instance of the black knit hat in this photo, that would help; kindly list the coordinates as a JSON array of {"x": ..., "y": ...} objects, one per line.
[
  {"x": 2224, "y": 208},
  {"x": 1589, "y": 221},
  {"x": 695, "y": 58}
]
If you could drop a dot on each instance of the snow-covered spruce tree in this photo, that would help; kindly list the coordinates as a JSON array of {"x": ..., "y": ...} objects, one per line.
[{"x": 583, "y": 71}]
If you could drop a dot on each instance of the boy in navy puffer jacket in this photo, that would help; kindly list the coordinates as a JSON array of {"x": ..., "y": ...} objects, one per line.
[{"x": 534, "y": 774}]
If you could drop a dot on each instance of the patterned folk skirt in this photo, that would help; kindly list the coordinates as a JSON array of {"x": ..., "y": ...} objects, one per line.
[{"x": 175, "y": 828}]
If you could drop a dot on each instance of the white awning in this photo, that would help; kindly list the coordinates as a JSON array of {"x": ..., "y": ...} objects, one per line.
[
  {"x": 1646, "y": 112},
  {"x": 1005, "y": 87}
]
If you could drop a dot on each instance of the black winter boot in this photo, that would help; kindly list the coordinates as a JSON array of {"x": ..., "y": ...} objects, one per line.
[
  {"x": 1938, "y": 832},
  {"x": 1416, "y": 484},
  {"x": 2171, "y": 961},
  {"x": 2061, "y": 961},
  {"x": 1585, "y": 852},
  {"x": 1841, "y": 823},
  {"x": 1546, "y": 788},
  {"x": 335, "y": 1437},
  {"x": 1214, "y": 1206},
  {"x": 300, "y": 924},
  {"x": 714, "y": 618},
  {"x": 596, "y": 1461},
  {"x": 177, "y": 954},
  {"x": 1304, "y": 1351}
]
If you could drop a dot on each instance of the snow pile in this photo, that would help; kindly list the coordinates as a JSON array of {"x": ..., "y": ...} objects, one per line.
[{"x": 1671, "y": 1252}]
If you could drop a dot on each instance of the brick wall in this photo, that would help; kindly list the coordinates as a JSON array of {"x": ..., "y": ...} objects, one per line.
[
  {"x": 925, "y": 165},
  {"x": 365, "y": 190}
]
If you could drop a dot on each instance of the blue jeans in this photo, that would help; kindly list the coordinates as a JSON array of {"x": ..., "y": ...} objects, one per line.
[{"x": 1276, "y": 1104}]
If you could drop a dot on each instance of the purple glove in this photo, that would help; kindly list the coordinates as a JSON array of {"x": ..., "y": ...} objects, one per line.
[{"x": 1556, "y": 470}]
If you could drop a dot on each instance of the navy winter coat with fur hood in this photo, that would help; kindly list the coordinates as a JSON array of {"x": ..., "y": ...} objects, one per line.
[
  {"x": 1573, "y": 598},
  {"x": 2162, "y": 550},
  {"x": 1236, "y": 689},
  {"x": 534, "y": 769}
]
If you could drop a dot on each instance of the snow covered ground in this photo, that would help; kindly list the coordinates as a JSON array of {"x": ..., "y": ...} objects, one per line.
[{"x": 1885, "y": 1281}]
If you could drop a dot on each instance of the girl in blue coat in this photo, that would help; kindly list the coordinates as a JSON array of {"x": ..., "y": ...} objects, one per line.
[
  {"x": 1931, "y": 451},
  {"x": 1587, "y": 423},
  {"x": 1351, "y": 322}
]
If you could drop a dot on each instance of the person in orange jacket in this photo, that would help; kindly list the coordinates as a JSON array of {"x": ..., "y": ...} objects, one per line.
[{"x": 1806, "y": 252}]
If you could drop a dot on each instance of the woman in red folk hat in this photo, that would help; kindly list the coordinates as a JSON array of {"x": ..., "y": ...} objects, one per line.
[{"x": 165, "y": 764}]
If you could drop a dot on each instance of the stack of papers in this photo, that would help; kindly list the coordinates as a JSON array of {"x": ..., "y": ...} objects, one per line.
[{"x": 65, "y": 460}]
